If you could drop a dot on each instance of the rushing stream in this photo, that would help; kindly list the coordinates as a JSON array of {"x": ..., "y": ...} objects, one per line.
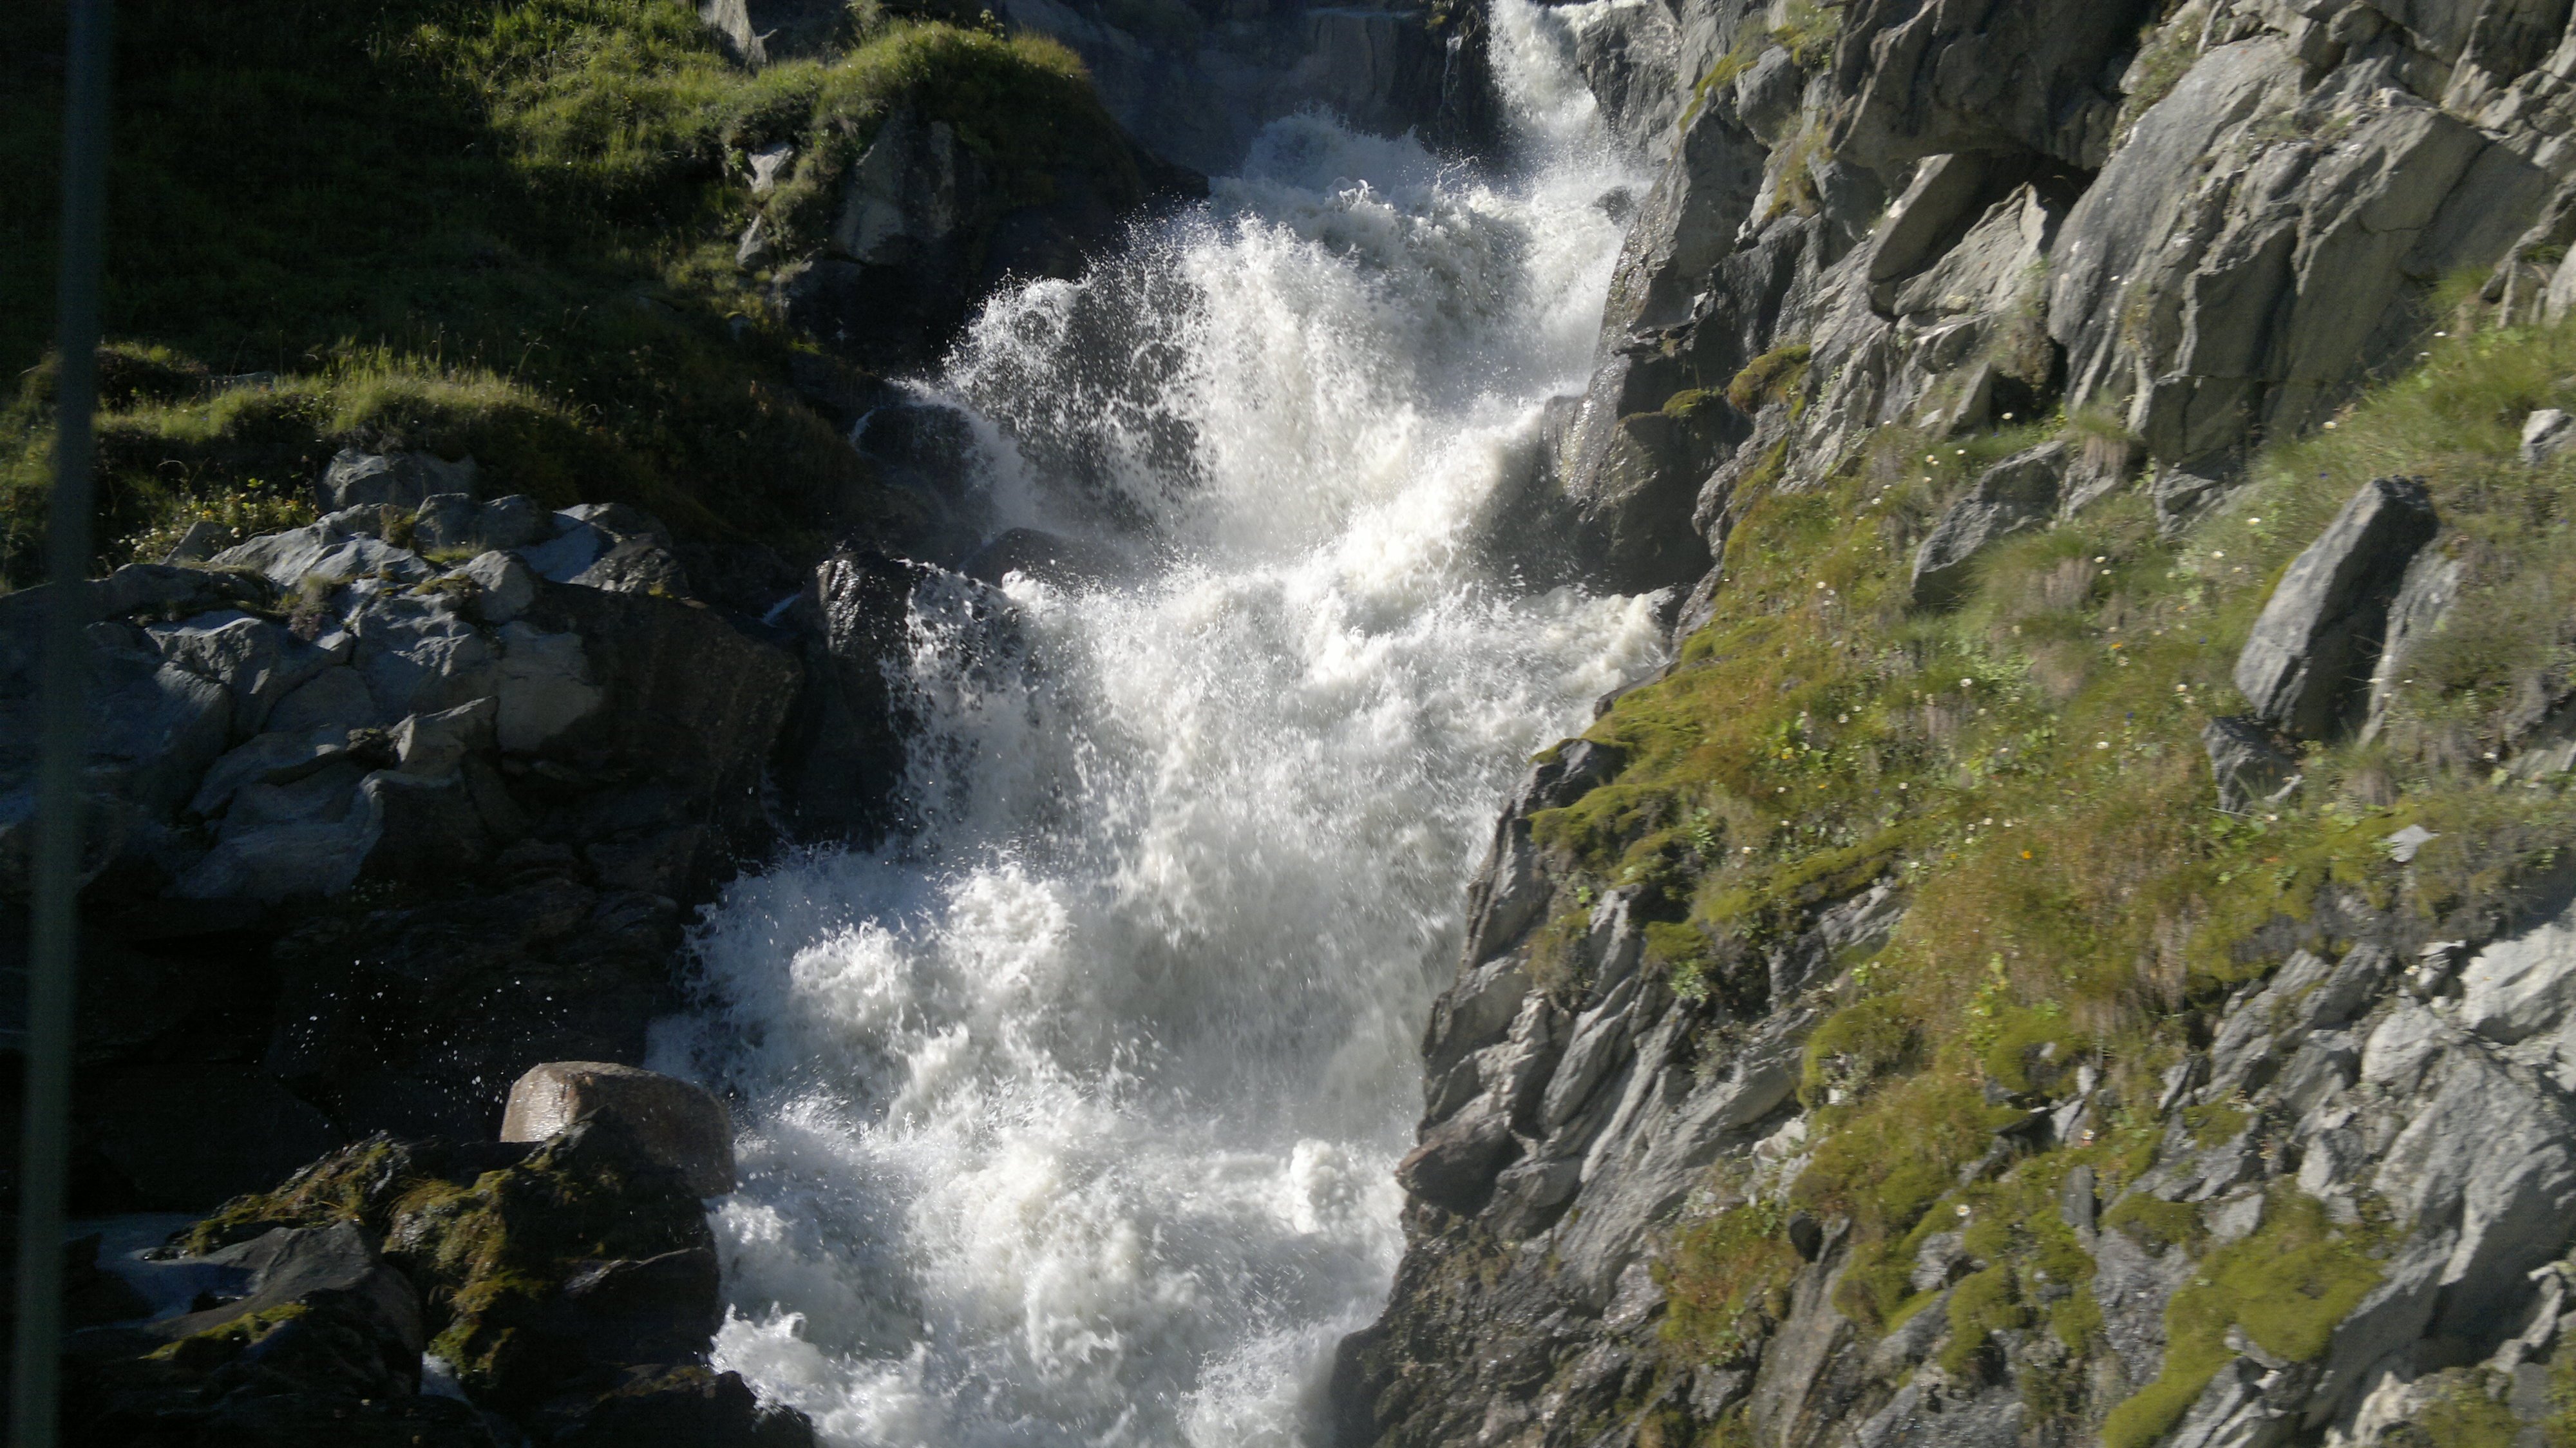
[{"x": 1071, "y": 1119}]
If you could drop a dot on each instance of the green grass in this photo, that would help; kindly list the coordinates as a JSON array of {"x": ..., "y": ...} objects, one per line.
[
  {"x": 2028, "y": 766},
  {"x": 2285, "y": 1286},
  {"x": 498, "y": 227}
]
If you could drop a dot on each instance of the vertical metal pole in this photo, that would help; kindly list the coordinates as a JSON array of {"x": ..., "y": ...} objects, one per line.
[{"x": 50, "y": 983}]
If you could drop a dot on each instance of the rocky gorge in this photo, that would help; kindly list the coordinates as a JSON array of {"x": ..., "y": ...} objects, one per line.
[{"x": 2058, "y": 931}]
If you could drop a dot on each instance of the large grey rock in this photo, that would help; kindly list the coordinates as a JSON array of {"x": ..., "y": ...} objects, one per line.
[
  {"x": 334, "y": 699},
  {"x": 504, "y": 586},
  {"x": 2305, "y": 666},
  {"x": 674, "y": 1123},
  {"x": 2495, "y": 1160},
  {"x": 418, "y": 657},
  {"x": 275, "y": 758},
  {"x": 544, "y": 686},
  {"x": 455, "y": 520},
  {"x": 324, "y": 555},
  {"x": 259, "y": 661},
  {"x": 1956, "y": 75},
  {"x": 2522, "y": 985},
  {"x": 2546, "y": 434},
  {"x": 2221, "y": 283},
  {"x": 2014, "y": 495},
  {"x": 2423, "y": 602},
  {"x": 335, "y": 1269},
  {"x": 404, "y": 479}
]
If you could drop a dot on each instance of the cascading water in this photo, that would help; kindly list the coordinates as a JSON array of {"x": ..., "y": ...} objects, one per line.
[{"x": 1071, "y": 1119}]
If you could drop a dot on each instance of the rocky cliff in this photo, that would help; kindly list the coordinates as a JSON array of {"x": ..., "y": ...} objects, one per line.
[{"x": 2073, "y": 948}]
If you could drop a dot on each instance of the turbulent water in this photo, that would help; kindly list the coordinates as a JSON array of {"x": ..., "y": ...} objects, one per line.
[{"x": 1071, "y": 1118}]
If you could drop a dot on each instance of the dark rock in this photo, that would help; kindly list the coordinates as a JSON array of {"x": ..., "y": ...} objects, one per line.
[
  {"x": 683, "y": 1407},
  {"x": 2312, "y": 650},
  {"x": 843, "y": 757},
  {"x": 2014, "y": 495},
  {"x": 1456, "y": 1162},
  {"x": 1955, "y": 75},
  {"x": 1049, "y": 558},
  {"x": 673, "y": 1123},
  {"x": 188, "y": 1136},
  {"x": 927, "y": 227},
  {"x": 2247, "y": 764},
  {"x": 405, "y": 479},
  {"x": 335, "y": 1270}
]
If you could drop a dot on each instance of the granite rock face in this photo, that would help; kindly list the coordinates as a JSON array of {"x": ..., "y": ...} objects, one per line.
[{"x": 2190, "y": 229}]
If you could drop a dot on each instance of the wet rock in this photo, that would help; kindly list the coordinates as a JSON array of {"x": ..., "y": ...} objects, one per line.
[
  {"x": 1049, "y": 558},
  {"x": 685, "y": 1407},
  {"x": 844, "y": 751},
  {"x": 2016, "y": 494},
  {"x": 674, "y": 1124},
  {"x": 2321, "y": 632}
]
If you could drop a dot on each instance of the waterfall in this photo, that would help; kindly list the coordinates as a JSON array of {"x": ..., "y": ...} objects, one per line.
[{"x": 1070, "y": 1119}]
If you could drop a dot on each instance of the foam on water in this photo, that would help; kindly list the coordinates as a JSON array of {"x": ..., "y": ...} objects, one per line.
[{"x": 1071, "y": 1119}]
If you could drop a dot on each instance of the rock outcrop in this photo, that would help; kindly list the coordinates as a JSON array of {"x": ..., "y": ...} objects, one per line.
[
  {"x": 511, "y": 732},
  {"x": 2307, "y": 664},
  {"x": 561, "y": 1291},
  {"x": 2079, "y": 261}
]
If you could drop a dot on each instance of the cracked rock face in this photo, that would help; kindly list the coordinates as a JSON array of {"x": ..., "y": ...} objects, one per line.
[{"x": 2201, "y": 228}]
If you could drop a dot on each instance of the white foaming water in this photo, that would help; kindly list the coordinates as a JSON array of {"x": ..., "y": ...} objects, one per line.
[{"x": 1071, "y": 1119}]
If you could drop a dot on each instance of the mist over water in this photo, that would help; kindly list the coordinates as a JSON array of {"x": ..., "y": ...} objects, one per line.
[{"x": 1071, "y": 1119}]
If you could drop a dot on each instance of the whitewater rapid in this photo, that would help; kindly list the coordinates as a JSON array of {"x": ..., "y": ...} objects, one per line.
[{"x": 1071, "y": 1119}]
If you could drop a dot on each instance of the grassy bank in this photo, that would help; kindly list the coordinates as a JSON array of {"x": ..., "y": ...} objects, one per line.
[
  {"x": 498, "y": 228},
  {"x": 2028, "y": 766}
]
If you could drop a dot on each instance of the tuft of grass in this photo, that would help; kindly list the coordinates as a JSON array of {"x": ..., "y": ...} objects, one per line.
[
  {"x": 1778, "y": 375},
  {"x": 2285, "y": 1286}
]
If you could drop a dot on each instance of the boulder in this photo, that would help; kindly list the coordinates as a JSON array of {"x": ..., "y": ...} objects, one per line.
[
  {"x": 1049, "y": 558},
  {"x": 2522, "y": 985},
  {"x": 455, "y": 520},
  {"x": 2546, "y": 434},
  {"x": 2013, "y": 496},
  {"x": 404, "y": 479},
  {"x": 188, "y": 1136},
  {"x": 324, "y": 554},
  {"x": 1957, "y": 75},
  {"x": 2423, "y": 601},
  {"x": 504, "y": 586},
  {"x": 844, "y": 751},
  {"x": 545, "y": 686},
  {"x": 2249, "y": 767},
  {"x": 336, "y": 1269},
  {"x": 681, "y": 1407},
  {"x": 335, "y": 699},
  {"x": 2306, "y": 664},
  {"x": 672, "y": 1122},
  {"x": 259, "y": 661}
]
